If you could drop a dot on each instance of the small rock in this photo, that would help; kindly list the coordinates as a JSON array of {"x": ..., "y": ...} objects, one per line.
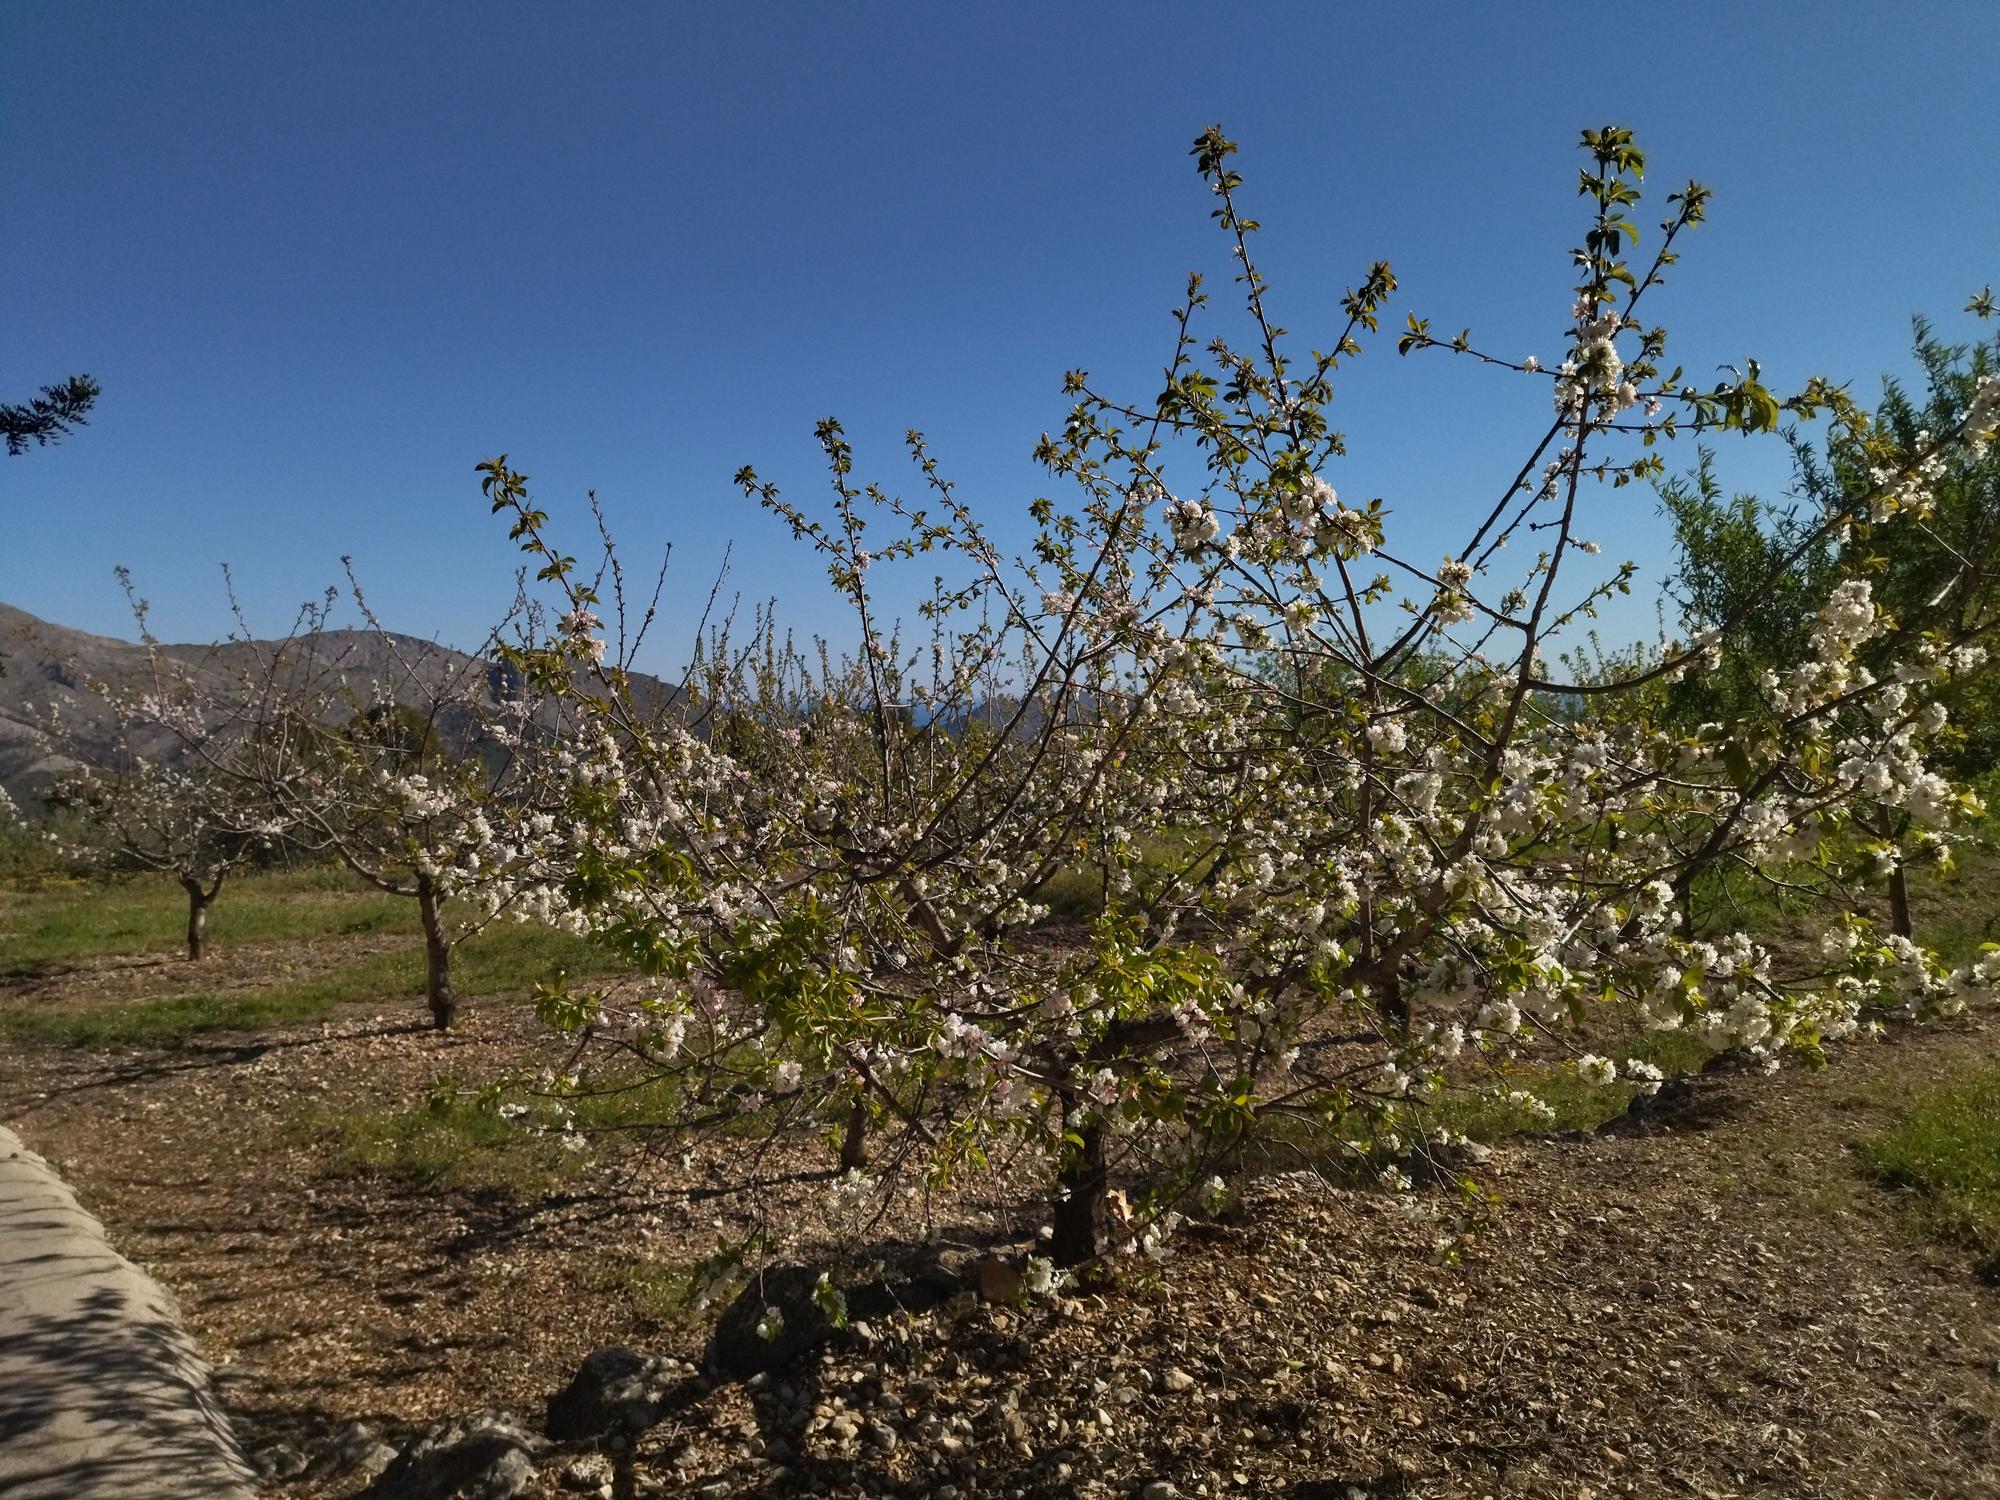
[
  {"x": 282, "y": 1461},
  {"x": 358, "y": 1453},
  {"x": 998, "y": 1281},
  {"x": 1159, "y": 1489},
  {"x": 590, "y": 1472},
  {"x": 882, "y": 1437},
  {"x": 1177, "y": 1381}
]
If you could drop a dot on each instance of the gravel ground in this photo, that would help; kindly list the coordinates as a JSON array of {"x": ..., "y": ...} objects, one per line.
[{"x": 1712, "y": 1311}]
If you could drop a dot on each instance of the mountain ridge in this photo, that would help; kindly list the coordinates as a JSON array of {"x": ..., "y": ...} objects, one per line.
[{"x": 46, "y": 666}]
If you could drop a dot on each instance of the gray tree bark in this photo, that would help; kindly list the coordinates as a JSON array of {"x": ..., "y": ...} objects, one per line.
[
  {"x": 197, "y": 928},
  {"x": 438, "y": 993}
]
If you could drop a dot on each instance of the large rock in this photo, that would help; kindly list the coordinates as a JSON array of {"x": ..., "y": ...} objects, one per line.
[
  {"x": 737, "y": 1350},
  {"x": 359, "y": 1453},
  {"x": 479, "y": 1458},
  {"x": 613, "y": 1390}
]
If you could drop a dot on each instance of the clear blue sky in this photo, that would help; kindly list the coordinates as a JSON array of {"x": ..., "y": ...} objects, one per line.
[{"x": 325, "y": 258}]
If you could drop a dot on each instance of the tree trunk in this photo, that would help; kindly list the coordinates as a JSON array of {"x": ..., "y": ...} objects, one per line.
[
  {"x": 198, "y": 900},
  {"x": 1395, "y": 1005},
  {"x": 1899, "y": 902},
  {"x": 1082, "y": 1184},
  {"x": 437, "y": 956},
  {"x": 854, "y": 1139}
]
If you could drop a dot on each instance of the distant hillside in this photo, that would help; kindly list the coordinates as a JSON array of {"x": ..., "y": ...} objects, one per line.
[{"x": 49, "y": 666}]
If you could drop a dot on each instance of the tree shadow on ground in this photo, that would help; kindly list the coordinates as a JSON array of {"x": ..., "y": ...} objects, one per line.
[{"x": 190, "y": 1056}]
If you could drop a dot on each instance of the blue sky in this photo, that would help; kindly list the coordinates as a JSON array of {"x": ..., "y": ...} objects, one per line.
[{"x": 323, "y": 259}]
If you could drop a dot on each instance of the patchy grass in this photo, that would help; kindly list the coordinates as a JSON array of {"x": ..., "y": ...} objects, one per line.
[
  {"x": 64, "y": 920},
  {"x": 1486, "y": 1114},
  {"x": 1952, "y": 909},
  {"x": 504, "y": 957},
  {"x": 1478, "y": 1108},
  {"x": 458, "y": 1138},
  {"x": 509, "y": 1135},
  {"x": 513, "y": 956},
  {"x": 663, "y": 1293},
  {"x": 1945, "y": 1153},
  {"x": 157, "y": 1022},
  {"x": 496, "y": 1136},
  {"x": 1075, "y": 892},
  {"x": 501, "y": 958}
]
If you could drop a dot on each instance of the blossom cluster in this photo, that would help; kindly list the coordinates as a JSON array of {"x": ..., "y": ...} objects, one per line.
[{"x": 1342, "y": 841}]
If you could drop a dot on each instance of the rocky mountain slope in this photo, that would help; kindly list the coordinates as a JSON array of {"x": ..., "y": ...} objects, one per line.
[{"x": 46, "y": 667}]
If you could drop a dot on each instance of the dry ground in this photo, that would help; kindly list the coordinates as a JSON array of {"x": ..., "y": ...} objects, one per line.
[{"x": 1721, "y": 1311}]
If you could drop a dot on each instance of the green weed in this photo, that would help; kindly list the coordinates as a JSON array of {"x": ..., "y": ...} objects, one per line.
[
  {"x": 456, "y": 1139},
  {"x": 64, "y": 920},
  {"x": 153, "y": 1022},
  {"x": 503, "y": 957},
  {"x": 1945, "y": 1154},
  {"x": 495, "y": 1136}
]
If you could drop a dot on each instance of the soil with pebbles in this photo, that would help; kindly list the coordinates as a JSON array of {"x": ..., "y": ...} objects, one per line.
[{"x": 1719, "y": 1308}]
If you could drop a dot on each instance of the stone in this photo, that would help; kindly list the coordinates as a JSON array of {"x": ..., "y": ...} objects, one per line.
[
  {"x": 359, "y": 1452},
  {"x": 281, "y": 1461},
  {"x": 998, "y": 1281},
  {"x": 613, "y": 1390},
  {"x": 1177, "y": 1381},
  {"x": 882, "y": 1437},
  {"x": 371, "y": 1461},
  {"x": 481, "y": 1458},
  {"x": 1158, "y": 1489},
  {"x": 587, "y": 1474}
]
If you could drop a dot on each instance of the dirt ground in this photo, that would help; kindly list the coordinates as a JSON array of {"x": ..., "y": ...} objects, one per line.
[
  {"x": 84, "y": 983},
  {"x": 1720, "y": 1309}
]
